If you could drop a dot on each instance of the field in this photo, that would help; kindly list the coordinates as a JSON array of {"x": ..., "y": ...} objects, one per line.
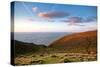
[{"x": 54, "y": 58}]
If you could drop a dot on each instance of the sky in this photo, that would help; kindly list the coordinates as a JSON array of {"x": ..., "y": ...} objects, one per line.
[{"x": 46, "y": 17}]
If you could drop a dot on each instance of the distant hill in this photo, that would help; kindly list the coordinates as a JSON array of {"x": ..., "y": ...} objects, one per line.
[
  {"x": 24, "y": 48},
  {"x": 79, "y": 42}
]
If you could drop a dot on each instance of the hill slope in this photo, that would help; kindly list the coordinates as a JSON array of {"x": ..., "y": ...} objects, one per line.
[
  {"x": 24, "y": 48},
  {"x": 79, "y": 42}
]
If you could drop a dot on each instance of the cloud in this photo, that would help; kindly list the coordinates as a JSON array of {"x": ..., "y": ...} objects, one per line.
[
  {"x": 53, "y": 14},
  {"x": 91, "y": 19},
  {"x": 79, "y": 19},
  {"x": 34, "y": 9},
  {"x": 40, "y": 20},
  {"x": 75, "y": 19}
]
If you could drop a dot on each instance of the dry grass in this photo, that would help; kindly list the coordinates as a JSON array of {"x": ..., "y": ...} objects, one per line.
[{"x": 54, "y": 58}]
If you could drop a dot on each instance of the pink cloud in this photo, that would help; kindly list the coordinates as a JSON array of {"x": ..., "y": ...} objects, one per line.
[{"x": 53, "y": 14}]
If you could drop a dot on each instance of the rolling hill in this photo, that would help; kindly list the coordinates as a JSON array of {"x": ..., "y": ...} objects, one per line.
[
  {"x": 78, "y": 42},
  {"x": 26, "y": 48}
]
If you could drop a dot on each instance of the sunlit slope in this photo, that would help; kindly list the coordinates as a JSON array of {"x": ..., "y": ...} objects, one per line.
[{"x": 79, "y": 42}]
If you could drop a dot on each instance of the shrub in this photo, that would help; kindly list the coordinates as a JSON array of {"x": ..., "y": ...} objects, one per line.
[
  {"x": 66, "y": 55},
  {"x": 41, "y": 55},
  {"x": 67, "y": 60},
  {"x": 53, "y": 56},
  {"x": 37, "y": 62},
  {"x": 33, "y": 56}
]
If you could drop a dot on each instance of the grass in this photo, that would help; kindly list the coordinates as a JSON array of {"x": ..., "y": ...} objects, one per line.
[{"x": 53, "y": 58}]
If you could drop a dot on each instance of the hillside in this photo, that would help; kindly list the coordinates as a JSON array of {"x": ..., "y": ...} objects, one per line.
[
  {"x": 25, "y": 48},
  {"x": 79, "y": 42}
]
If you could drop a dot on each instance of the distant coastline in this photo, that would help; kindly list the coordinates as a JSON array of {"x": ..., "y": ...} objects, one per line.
[{"x": 45, "y": 38}]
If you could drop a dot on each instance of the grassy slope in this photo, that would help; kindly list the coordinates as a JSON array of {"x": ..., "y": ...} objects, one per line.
[
  {"x": 27, "y": 48},
  {"x": 77, "y": 42}
]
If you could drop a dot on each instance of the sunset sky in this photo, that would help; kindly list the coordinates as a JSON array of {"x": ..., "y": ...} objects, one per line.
[{"x": 45, "y": 17}]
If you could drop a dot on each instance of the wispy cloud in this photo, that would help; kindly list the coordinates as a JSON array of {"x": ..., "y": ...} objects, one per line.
[
  {"x": 75, "y": 19},
  {"x": 79, "y": 19}
]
